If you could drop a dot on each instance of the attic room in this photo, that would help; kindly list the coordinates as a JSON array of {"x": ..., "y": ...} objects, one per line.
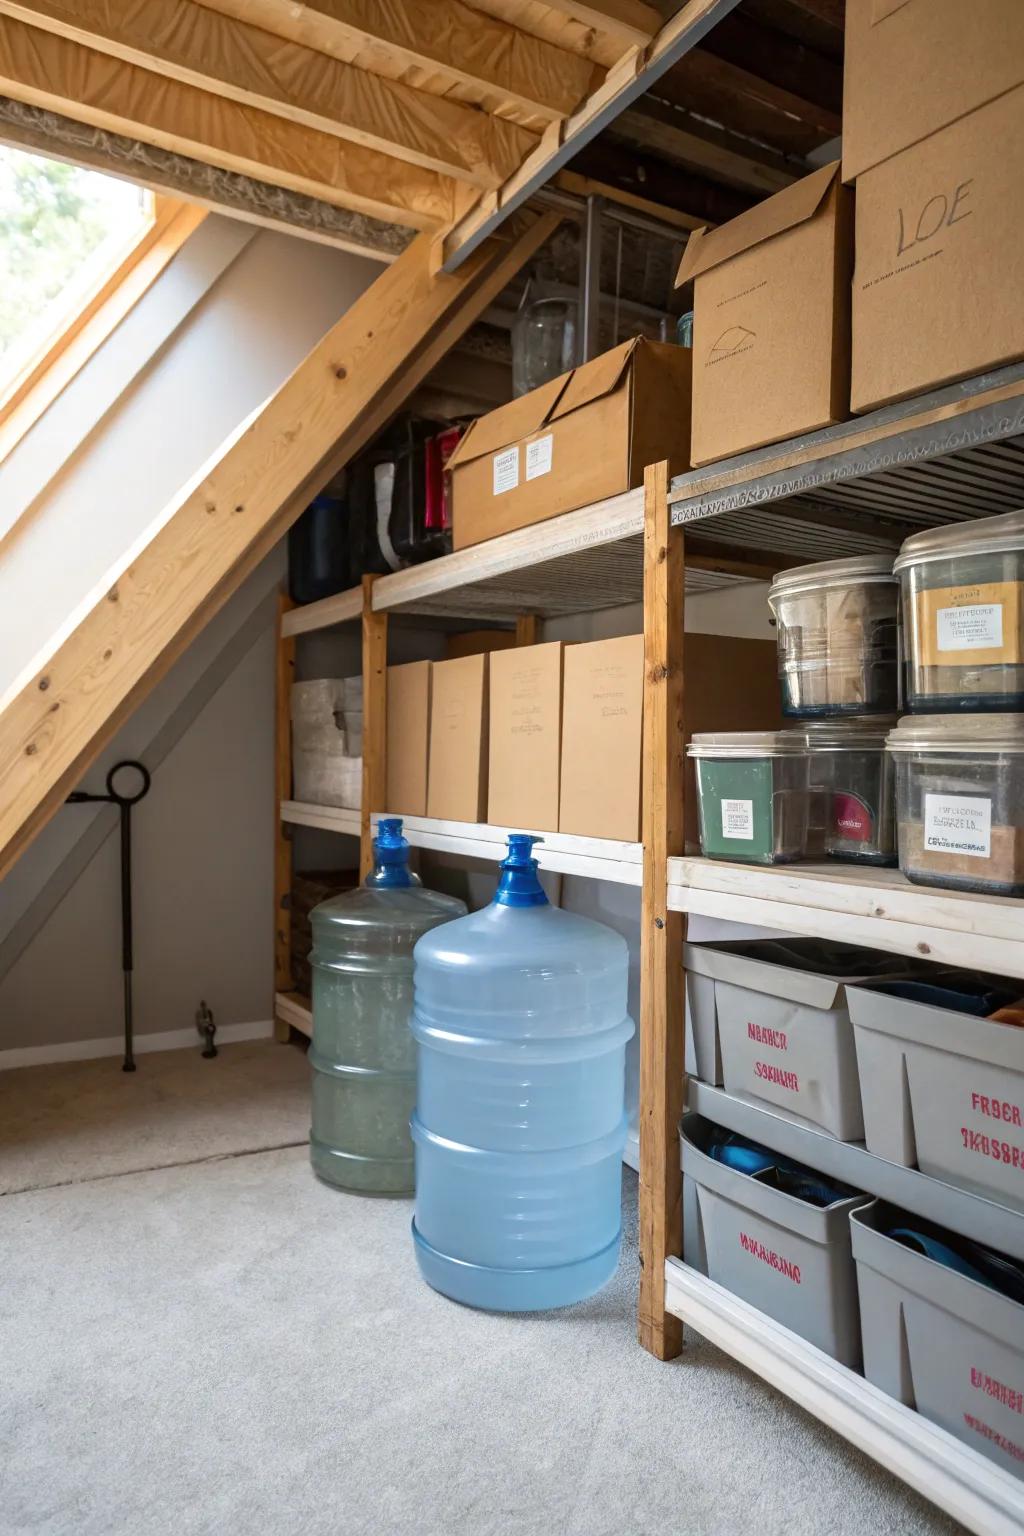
[{"x": 511, "y": 766}]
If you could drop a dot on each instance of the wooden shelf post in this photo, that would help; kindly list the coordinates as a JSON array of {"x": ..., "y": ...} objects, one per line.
[
  {"x": 661, "y": 931},
  {"x": 284, "y": 676},
  {"x": 375, "y": 722}
]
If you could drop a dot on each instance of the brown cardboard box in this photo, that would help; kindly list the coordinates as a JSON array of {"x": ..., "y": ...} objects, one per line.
[
  {"x": 602, "y": 725},
  {"x": 940, "y": 257},
  {"x": 472, "y": 642},
  {"x": 525, "y": 712},
  {"x": 457, "y": 780},
  {"x": 408, "y": 738},
  {"x": 584, "y": 436},
  {"x": 914, "y": 66},
  {"x": 771, "y": 319}
]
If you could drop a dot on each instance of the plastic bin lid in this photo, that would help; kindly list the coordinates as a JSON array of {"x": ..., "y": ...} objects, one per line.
[
  {"x": 976, "y": 536},
  {"x": 853, "y": 570},
  {"x": 847, "y": 735},
  {"x": 958, "y": 733},
  {"x": 747, "y": 744}
]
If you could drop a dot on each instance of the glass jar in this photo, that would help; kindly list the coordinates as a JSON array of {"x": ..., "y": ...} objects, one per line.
[
  {"x": 853, "y": 779},
  {"x": 960, "y": 801},
  {"x": 838, "y": 637},
  {"x": 753, "y": 795},
  {"x": 963, "y": 616},
  {"x": 543, "y": 341}
]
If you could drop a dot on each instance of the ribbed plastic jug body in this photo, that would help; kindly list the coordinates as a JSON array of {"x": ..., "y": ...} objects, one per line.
[
  {"x": 521, "y": 1023},
  {"x": 362, "y": 1053}
]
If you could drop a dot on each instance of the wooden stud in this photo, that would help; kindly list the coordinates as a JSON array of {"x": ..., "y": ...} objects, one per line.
[
  {"x": 375, "y": 723},
  {"x": 527, "y": 626},
  {"x": 80, "y": 83},
  {"x": 194, "y": 45},
  {"x": 284, "y": 675},
  {"x": 662, "y": 1088},
  {"x": 141, "y": 616},
  {"x": 445, "y": 43}
]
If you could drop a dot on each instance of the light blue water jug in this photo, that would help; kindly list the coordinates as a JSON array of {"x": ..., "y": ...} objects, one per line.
[
  {"x": 362, "y": 1054},
  {"x": 520, "y": 1018}
]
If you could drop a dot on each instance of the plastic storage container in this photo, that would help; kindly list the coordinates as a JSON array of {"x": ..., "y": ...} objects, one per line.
[
  {"x": 942, "y": 1084},
  {"x": 777, "y": 1011},
  {"x": 753, "y": 794},
  {"x": 838, "y": 637},
  {"x": 960, "y": 801},
  {"x": 522, "y": 1025},
  {"x": 853, "y": 780},
  {"x": 943, "y": 1324},
  {"x": 318, "y": 546},
  {"x": 362, "y": 1053},
  {"x": 774, "y": 1233},
  {"x": 963, "y": 616}
]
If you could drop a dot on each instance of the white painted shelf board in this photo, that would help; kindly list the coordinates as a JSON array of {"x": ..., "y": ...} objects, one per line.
[
  {"x": 292, "y": 1008},
  {"x": 596, "y": 858},
  {"x": 961, "y": 1481},
  {"x": 879, "y": 908},
  {"x": 331, "y": 818},
  {"x": 342, "y": 608},
  {"x": 973, "y": 1216}
]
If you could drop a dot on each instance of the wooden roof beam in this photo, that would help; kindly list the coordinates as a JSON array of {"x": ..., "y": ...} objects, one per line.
[
  {"x": 60, "y": 76},
  {"x": 196, "y": 46},
  {"x": 446, "y": 42},
  {"x": 631, "y": 20}
]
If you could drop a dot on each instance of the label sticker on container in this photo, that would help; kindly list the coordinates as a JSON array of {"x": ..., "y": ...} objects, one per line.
[
  {"x": 738, "y": 819},
  {"x": 975, "y": 627},
  {"x": 538, "y": 457},
  {"x": 852, "y": 820},
  {"x": 506, "y": 470},
  {"x": 958, "y": 824}
]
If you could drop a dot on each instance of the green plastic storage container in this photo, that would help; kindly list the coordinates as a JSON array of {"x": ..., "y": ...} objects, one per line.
[{"x": 753, "y": 795}]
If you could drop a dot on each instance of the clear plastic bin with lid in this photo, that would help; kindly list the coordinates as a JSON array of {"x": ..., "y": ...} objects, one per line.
[{"x": 521, "y": 1023}]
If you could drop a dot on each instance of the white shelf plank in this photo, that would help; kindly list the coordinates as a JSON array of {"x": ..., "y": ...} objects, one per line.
[
  {"x": 972, "y": 1216},
  {"x": 958, "y": 1479},
  {"x": 330, "y": 818},
  {"x": 342, "y": 608},
  {"x": 879, "y": 908},
  {"x": 292, "y": 1008},
  {"x": 595, "y": 858}
]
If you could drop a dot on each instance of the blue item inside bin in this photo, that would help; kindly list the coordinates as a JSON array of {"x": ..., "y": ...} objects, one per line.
[
  {"x": 958, "y": 1253},
  {"x": 959, "y": 992},
  {"x": 769, "y": 1168}
]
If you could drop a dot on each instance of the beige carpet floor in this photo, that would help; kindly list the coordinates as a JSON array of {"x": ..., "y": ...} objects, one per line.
[{"x": 80, "y": 1120}]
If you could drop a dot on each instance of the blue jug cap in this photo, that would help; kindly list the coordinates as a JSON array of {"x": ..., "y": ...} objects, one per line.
[
  {"x": 390, "y": 854},
  {"x": 519, "y": 885}
]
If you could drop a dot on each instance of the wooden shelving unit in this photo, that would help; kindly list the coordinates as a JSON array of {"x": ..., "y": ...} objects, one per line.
[{"x": 864, "y": 485}]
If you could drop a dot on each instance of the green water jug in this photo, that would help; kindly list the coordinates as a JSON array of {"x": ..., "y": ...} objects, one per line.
[{"x": 363, "y": 1053}]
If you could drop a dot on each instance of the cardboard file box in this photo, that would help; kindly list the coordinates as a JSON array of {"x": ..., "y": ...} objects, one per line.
[
  {"x": 457, "y": 777},
  {"x": 781, "y": 1254},
  {"x": 584, "y": 436},
  {"x": 776, "y": 1015},
  {"x": 408, "y": 747},
  {"x": 771, "y": 319},
  {"x": 602, "y": 732},
  {"x": 524, "y": 760},
  {"x": 941, "y": 1342},
  {"x": 942, "y": 1091}
]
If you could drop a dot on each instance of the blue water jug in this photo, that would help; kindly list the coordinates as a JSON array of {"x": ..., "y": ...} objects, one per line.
[{"x": 520, "y": 1018}]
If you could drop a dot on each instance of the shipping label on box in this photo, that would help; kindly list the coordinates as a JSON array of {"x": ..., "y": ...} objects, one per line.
[{"x": 524, "y": 761}]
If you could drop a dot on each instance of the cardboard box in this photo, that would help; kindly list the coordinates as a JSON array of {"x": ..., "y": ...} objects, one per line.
[
  {"x": 471, "y": 642},
  {"x": 771, "y": 319},
  {"x": 408, "y": 745},
  {"x": 913, "y": 67},
  {"x": 457, "y": 778},
  {"x": 940, "y": 258},
  {"x": 602, "y": 726},
  {"x": 524, "y": 762},
  {"x": 584, "y": 436}
]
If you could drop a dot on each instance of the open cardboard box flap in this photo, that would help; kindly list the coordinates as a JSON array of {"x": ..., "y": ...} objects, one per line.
[
  {"x": 498, "y": 429},
  {"x": 601, "y": 376},
  {"x": 708, "y": 248}
]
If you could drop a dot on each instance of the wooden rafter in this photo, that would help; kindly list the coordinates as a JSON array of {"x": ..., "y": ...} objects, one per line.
[
  {"x": 441, "y": 45},
  {"x": 59, "y": 75},
  {"x": 662, "y": 130},
  {"x": 631, "y": 20},
  {"x": 56, "y": 718},
  {"x": 187, "y": 42}
]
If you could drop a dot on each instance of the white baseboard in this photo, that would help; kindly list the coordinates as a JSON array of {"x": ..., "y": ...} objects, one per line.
[{"x": 113, "y": 1045}]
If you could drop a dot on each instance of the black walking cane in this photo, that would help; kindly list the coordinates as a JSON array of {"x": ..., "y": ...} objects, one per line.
[{"x": 124, "y": 804}]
